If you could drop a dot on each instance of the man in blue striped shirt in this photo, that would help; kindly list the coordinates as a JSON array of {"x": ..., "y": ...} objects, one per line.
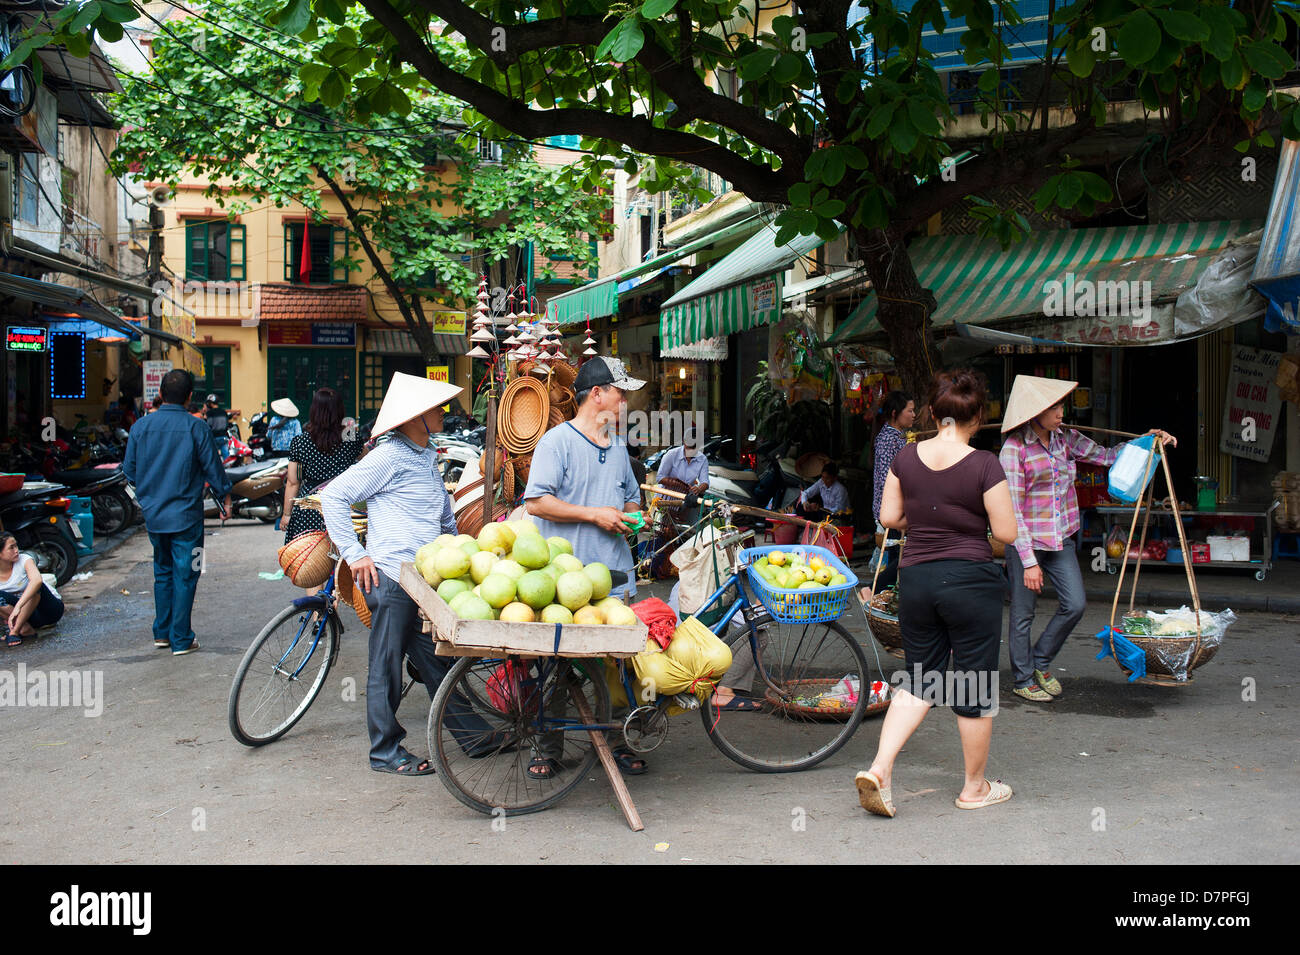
[{"x": 407, "y": 507}]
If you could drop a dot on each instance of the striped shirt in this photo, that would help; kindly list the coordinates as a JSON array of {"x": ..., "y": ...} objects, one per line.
[
  {"x": 1041, "y": 481},
  {"x": 690, "y": 471},
  {"x": 407, "y": 504}
]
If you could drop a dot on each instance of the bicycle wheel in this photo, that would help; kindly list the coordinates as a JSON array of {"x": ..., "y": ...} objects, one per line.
[
  {"x": 794, "y": 663},
  {"x": 281, "y": 674},
  {"x": 487, "y": 724}
]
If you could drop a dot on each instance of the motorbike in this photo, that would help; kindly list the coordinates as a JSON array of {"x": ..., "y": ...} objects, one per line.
[
  {"x": 452, "y": 458},
  {"x": 236, "y": 451},
  {"x": 112, "y": 499},
  {"x": 257, "y": 491},
  {"x": 779, "y": 486},
  {"x": 37, "y": 516}
]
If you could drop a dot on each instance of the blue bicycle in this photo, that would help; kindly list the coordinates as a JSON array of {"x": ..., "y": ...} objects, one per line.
[{"x": 533, "y": 715}]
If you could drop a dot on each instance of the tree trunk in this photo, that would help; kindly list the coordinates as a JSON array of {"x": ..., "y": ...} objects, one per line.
[{"x": 903, "y": 307}]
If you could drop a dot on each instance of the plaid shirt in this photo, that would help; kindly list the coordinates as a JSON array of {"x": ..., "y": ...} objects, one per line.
[{"x": 1041, "y": 481}]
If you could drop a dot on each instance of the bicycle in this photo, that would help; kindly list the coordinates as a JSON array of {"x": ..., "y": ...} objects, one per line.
[{"x": 539, "y": 711}]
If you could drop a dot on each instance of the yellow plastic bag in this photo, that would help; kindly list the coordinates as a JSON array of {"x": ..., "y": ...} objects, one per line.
[{"x": 694, "y": 662}]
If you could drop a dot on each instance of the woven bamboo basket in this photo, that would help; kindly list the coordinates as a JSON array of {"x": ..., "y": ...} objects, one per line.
[
  {"x": 306, "y": 559},
  {"x": 351, "y": 594},
  {"x": 1159, "y": 650},
  {"x": 470, "y": 520},
  {"x": 523, "y": 463},
  {"x": 557, "y": 417},
  {"x": 523, "y": 415},
  {"x": 886, "y": 630},
  {"x": 817, "y": 712},
  {"x": 564, "y": 373},
  {"x": 508, "y": 479}
]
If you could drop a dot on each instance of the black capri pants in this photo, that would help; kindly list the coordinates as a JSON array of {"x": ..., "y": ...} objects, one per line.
[
  {"x": 49, "y": 608},
  {"x": 952, "y": 608}
]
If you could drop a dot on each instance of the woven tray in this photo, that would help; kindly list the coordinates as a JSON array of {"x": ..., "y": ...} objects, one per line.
[
  {"x": 887, "y": 631},
  {"x": 818, "y": 712},
  {"x": 523, "y": 415}
]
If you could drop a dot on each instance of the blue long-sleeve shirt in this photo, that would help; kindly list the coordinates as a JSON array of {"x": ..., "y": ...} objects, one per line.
[
  {"x": 169, "y": 456},
  {"x": 407, "y": 505}
]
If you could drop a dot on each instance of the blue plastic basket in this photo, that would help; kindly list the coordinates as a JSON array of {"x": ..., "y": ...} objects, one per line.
[{"x": 800, "y": 606}]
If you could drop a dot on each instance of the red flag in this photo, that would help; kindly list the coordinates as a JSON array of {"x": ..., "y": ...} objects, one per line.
[{"x": 304, "y": 263}]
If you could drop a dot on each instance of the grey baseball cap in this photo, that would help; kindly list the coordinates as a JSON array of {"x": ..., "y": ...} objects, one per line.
[{"x": 605, "y": 371}]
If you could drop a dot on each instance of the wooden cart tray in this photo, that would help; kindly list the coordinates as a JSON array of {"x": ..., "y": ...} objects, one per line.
[{"x": 457, "y": 637}]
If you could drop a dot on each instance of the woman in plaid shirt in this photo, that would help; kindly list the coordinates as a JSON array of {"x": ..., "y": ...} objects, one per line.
[{"x": 1039, "y": 458}]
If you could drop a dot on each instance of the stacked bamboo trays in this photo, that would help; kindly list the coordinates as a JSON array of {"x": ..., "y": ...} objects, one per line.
[{"x": 523, "y": 415}]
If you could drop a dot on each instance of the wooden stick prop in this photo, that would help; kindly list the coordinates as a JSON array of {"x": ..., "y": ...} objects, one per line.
[
  {"x": 607, "y": 761},
  {"x": 742, "y": 508},
  {"x": 1187, "y": 554}
]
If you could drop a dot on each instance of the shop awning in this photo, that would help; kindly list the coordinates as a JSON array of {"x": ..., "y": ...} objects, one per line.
[
  {"x": 70, "y": 300},
  {"x": 55, "y": 262},
  {"x": 742, "y": 290},
  {"x": 392, "y": 341},
  {"x": 710, "y": 349},
  {"x": 599, "y": 299},
  {"x": 1038, "y": 282},
  {"x": 1277, "y": 269}
]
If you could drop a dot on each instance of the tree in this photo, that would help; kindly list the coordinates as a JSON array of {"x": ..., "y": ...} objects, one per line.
[
  {"x": 425, "y": 210},
  {"x": 841, "y": 115}
]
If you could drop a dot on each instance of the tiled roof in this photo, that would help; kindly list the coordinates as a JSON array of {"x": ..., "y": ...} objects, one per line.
[{"x": 300, "y": 303}]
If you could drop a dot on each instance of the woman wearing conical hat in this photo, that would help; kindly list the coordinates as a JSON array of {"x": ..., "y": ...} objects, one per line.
[{"x": 1039, "y": 458}]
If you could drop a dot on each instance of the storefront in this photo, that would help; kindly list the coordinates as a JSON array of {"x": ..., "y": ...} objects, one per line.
[{"x": 302, "y": 357}]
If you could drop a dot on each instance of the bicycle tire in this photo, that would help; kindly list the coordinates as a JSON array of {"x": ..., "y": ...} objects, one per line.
[
  {"x": 248, "y": 701},
  {"x": 500, "y": 781},
  {"x": 778, "y": 740}
]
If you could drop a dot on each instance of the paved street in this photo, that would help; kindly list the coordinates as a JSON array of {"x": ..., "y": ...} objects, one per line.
[{"x": 1111, "y": 773}]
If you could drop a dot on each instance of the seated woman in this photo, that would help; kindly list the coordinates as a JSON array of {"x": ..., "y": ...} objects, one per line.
[{"x": 26, "y": 601}]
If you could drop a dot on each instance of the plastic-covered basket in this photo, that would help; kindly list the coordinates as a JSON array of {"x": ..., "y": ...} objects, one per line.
[{"x": 801, "y": 606}]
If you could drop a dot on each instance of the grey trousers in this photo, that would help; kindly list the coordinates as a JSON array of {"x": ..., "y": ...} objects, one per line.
[
  {"x": 1062, "y": 569},
  {"x": 394, "y": 632}
]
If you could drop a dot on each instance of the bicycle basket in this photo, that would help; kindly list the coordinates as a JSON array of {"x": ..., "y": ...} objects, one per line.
[{"x": 800, "y": 606}]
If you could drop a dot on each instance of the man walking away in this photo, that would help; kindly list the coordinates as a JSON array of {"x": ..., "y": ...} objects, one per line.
[
  {"x": 170, "y": 454},
  {"x": 219, "y": 423}
]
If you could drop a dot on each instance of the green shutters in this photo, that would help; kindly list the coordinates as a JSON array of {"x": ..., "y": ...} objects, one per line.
[
  {"x": 214, "y": 251},
  {"x": 236, "y": 269},
  {"x": 339, "y": 242},
  {"x": 329, "y": 251}
]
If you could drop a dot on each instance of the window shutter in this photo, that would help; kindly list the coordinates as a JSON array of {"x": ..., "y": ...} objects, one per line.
[
  {"x": 288, "y": 252},
  {"x": 338, "y": 251},
  {"x": 196, "y": 251},
  {"x": 235, "y": 254}
]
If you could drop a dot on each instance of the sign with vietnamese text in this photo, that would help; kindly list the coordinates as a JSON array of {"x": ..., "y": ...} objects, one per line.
[
  {"x": 153, "y": 376},
  {"x": 1252, "y": 406},
  {"x": 301, "y": 333},
  {"x": 439, "y": 373},
  {"x": 763, "y": 296},
  {"x": 449, "y": 323},
  {"x": 26, "y": 338}
]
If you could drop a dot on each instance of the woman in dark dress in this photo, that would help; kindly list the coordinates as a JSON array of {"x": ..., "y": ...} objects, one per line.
[{"x": 317, "y": 456}]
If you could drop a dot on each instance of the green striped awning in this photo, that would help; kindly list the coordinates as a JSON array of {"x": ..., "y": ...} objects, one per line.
[
  {"x": 977, "y": 283},
  {"x": 741, "y": 290},
  {"x": 596, "y": 300}
]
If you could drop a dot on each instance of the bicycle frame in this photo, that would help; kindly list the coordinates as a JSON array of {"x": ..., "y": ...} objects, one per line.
[{"x": 325, "y": 601}]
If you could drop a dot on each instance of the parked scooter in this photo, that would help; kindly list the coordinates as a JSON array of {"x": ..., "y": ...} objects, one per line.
[
  {"x": 37, "y": 516},
  {"x": 779, "y": 486},
  {"x": 257, "y": 491},
  {"x": 112, "y": 500}
]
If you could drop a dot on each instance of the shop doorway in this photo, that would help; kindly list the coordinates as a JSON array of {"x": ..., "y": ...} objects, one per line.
[
  {"x": 296, "y": 373},
  {"x": 1159, "y": 390}
]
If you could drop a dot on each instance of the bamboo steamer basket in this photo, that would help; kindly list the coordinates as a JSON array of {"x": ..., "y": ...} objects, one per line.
[{"x": 523, "y": 415}]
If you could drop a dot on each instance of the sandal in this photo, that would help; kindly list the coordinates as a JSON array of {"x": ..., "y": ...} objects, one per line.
[
  {"x": 874, "y": 797},
  {"x": 543, "y": 767},
  {"x": 406, "y": 766},
  {"x": 998, "y": 792},
  {"x": 13, "y": 640},
  {"x": 739, "y": 704},
  {"x": 629, "y": 762}
]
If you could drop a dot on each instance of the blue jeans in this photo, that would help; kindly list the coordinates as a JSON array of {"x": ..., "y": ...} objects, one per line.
[
  {"x": 176, "y": 561},
  {"x": 1061, "y": 568}
]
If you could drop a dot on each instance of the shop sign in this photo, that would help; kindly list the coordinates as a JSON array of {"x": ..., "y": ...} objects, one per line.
[
  {"x": 1103, "y": 330},
  {"x": 301, "y": 333},
  {"x": 762, "y": 296},
  {"x": 153, "y": 376},
  {"x": 449, "y": 323},
  {"x": 25, "y": 338},
  {"x": 438, "y": 373},
  {"x": 1252, "y": 406}
]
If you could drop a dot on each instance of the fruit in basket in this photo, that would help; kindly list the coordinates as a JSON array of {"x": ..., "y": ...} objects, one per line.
[
  {"x": 601, "y": 581},
  {"x": 481, "y": 564},
  {"x": 816, "y": 563},
  {"x": 588, "y": 616},
  {"x": 566, "y": 563},
  {"x": 573, "y": 590},
  {"x": 498, "y": 590},
  {"x": 558, "y": 545},
  {"x": 824, "y": 575},
  {"x": 838, "y": 580},
  {"x": 517, "y": 613},
  {"x": 471, "y": 607},
  {"x": 449, "y": 590},
  {"x": 511, "y": 568},
  {"x": 531, "y": 551},
  {"x": 776, "y": 558},
  {"x": 554, "y": 613},
  {"x": 536, "y": 588},
  {"x": 451, "y": 562}
]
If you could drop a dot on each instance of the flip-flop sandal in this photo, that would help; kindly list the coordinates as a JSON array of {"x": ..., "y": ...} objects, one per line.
[
  {"x": 12, "y": 641},
  {"x": 406, "y": 766},
  {"x": 628, "y": 760},
  {"x": 543, "y": 767},
  {"x": 998, "y": 792},
  {"x": 739, "y": 704},
  {"x": 874, "y": 797}
]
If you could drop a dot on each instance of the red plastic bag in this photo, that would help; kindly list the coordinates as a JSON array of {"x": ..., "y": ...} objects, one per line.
[
  {"x": 501, "y": 687},
  {"x": 659, "y": 617}
]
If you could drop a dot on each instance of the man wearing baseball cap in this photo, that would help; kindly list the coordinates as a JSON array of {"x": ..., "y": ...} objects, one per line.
[
  {"x": 580, "y": 485},
  {"x": 407, "y": 507}
]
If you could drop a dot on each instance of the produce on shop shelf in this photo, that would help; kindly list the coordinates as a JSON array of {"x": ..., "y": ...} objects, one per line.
[
  {"x": 601, "y": 582},
  {"x": 537, "y": 589},
  {"x": 559, "y": 545}
]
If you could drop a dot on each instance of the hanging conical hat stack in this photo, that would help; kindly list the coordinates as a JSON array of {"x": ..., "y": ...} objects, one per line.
[{"x": 1031, "y": 396}]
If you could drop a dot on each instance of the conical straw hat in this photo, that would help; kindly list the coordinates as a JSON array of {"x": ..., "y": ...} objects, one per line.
[
  {"x": 1031, "y": 396},
  {"x": 410, "y": 396}
]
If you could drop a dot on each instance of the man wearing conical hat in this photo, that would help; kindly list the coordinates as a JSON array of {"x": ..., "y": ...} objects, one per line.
[
  {"x": 1039, "y": 458},
  {"x": 407, "y": 506}
]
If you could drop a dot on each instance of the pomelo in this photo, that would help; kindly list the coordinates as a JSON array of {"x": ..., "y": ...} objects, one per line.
[
  {"x": 536, "y": 588},
  {"x": 449, "y": 590},
  {"x": 474, "y": 608},
  {"x": 511, "y": 568},
  {"x": 463, "y": 538},
  {"x": 451, "y": 562},
  {"x": 567, "y": 563},
  {"x": 601, "y": 583},
  {"x": 481, "y": 564},
  {"x": 573, "y": 590},
  {"x": 620, "y": 616},
  {"x": 424, "y": 564},
  {"x": 517, "y": 613},
  {"x": 524, "y": 526},
  {"x": 558, "y": 545},
  {"x": 530, "y": 551},
  {"x": 552, "y": 571},
  {"x": 588, "y": 616},
  {"x": 470, "y": 547},
  {"x": 455, "y": 602},
  {"x": 498, "y": 590},
  {"x": 444, "y": 540},
  {"x": 493, "y": 538},
  {"x": 554, "y": 613}
]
